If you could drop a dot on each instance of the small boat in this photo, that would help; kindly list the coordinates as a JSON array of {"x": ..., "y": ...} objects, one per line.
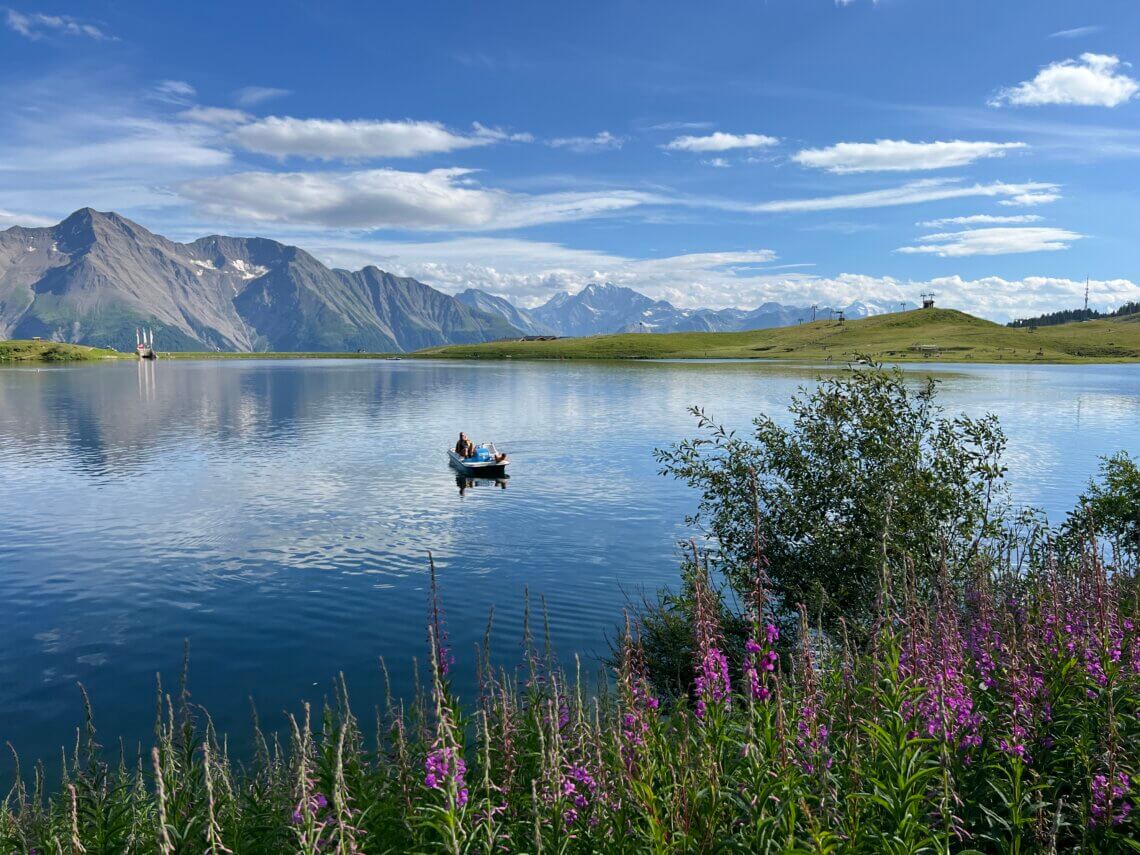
[
  {"x": 144, "y": 344},
  {"x": 483, "y": 464}
]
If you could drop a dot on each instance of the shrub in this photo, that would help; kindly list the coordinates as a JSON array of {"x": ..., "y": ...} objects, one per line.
[
  {"x": 869, "y": 472},
  {"x": 1110, "y": 507}
]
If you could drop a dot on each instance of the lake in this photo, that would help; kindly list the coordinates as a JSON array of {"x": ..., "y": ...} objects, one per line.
[{"x": 278, "y": 514}]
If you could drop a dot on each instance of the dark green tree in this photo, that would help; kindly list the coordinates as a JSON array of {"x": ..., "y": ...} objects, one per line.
[{"x": 868, "y": 474}]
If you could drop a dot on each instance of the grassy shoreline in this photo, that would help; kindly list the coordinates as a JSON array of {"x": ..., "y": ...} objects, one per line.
[
  {"x": 926, "y": 335},
  {"x": 20, "y": 350}
]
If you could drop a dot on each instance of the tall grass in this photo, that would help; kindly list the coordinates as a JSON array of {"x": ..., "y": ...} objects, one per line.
[{"x": 1003, "y": 717}]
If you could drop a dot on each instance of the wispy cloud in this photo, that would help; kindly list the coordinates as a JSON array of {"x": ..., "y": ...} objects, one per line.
[
  {"x": 993, "y": 241},
  {"x": 680, "y": 126},
  {"x": 249, "y": 96},
  {"x": 716, "y": 162},
  {"x": 720, "y": 141},
  {"x": 338, "y": 139},
  {"x": 981, "y": 219},
  {"x": 37, "y": 25},
  {"x": 1031, "y": 199},
  {"x": 174, "y": 92},
  {"x": 912, "y": 193},
  {"x": 389, "y": 198},
  {"x": 1077, "y": 32},
  {"x": 900, "y": 155},
  {"x": 584, "y": 145},
  {"x": 1094, "y": 80},
  {"x": 122, "y": 144},
  {"x": 215, "y": 115},
  {"x": 10, "y": 218}
]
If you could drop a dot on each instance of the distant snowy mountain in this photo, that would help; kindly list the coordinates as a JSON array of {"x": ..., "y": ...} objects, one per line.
[
  {"x": 520, "y": 319},
  {"x": 599, "y": 309}
]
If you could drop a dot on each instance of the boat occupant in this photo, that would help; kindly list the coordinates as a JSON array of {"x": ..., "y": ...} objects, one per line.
[{"x": 465, "y": 447}]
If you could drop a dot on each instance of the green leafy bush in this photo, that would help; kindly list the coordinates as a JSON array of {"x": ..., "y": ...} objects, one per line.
[{"x": 869, "y": 469}]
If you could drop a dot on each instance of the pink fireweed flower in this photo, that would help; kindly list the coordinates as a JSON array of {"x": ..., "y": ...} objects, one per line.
[
  {"x": 711, "y": 684},
  {"x": 934, "y": 659},
  {"x": 1106, "y": 804},
  {"x": 758, "y": 663},
  {"x": 640, "y": 705},
  {"x": 317, "y": 803},
  {"x": 443, "y": 765},
  {"x": 577, "y": 790},
  {"x": 811, "y": 729}
]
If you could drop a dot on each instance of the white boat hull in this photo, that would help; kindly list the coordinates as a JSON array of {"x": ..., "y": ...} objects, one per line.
[{"x": 471, "y": 466}]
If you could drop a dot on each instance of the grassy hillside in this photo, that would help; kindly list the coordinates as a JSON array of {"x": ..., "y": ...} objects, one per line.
[
  {"x": 943, "y": 335},
  {"x": 54, "y": 351}
]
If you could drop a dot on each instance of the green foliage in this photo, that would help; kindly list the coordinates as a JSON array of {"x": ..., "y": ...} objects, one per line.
[
  {"x": 1111, "y": 506},
  {"x": 52, "y": 351},
  {"x": 868, "y": 469},
  {"x": 1067, "y": 316}
]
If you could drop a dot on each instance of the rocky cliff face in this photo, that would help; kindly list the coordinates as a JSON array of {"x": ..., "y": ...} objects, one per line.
[
  {"x": 518, "y": 318},
  {"x": 95, "y": 277}
]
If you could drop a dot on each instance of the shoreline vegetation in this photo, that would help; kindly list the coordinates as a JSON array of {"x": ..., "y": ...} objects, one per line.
[
  {"x": 919, "y": 335},
  {"x": 874, "y": 654}
]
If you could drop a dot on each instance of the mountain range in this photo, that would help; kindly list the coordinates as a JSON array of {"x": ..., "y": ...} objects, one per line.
[
  {"x": 96, "y": 277},
  {"x": 605, "y": 308}
]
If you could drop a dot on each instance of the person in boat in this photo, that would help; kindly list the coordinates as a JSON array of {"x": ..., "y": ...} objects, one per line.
[{"x": 464, "y": 448}]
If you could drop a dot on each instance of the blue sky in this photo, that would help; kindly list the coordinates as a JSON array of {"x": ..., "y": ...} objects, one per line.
[{"x": 718, "y": 154}]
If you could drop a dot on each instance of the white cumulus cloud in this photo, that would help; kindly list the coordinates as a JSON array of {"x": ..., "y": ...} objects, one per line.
[
  {"x": 1093, "y": 80},
  {"x": 720, "y": 141},
  {"x": 900, "y": 155},
  {"x": 993, "y": 241},
  {"x": 340, "y": 139}
]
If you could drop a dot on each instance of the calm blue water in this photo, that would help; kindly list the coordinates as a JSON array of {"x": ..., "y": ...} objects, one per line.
[{"x": 279, "y": 514}]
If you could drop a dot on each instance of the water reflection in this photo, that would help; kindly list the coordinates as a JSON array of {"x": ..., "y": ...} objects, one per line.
[
  {"x": 464, "y": 483},
  {"x": 278, "y": 514}
]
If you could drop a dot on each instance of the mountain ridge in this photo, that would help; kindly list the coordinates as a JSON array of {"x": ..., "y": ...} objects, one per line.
[
  {"x": 606, "y": 309},
  {"x": 96, "y": 276}
]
